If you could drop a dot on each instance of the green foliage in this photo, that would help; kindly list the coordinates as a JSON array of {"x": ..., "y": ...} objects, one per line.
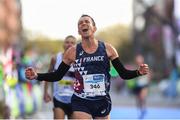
[
  {"x": 120, "y": 37},
  {"x": 126, "y": 51},
  {"x": 44, "y": 45},
  {"x": 115, "y": 34}
]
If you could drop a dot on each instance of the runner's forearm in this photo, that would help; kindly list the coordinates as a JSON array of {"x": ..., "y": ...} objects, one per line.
[
  {"x": 123, "y": 72},
  {"x": 54, "y": 76}
]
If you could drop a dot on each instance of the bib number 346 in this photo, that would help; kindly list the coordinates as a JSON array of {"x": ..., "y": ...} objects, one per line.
[{"x": 94, "y": 84}]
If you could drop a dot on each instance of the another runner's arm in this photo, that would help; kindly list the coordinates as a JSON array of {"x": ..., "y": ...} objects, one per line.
[
  {"x": 51, "y": 68},
  {"x": 123, "y": 72},
  {"x": 46, "y": 95},
  {"x": 52, "y": 64},
  {"x": 62, "y": 69}
]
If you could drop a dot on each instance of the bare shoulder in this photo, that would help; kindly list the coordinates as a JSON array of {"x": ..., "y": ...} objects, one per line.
[
  {"x": 108, "y": 46},
  {"x": 69, "y": 55},
  {"x": 111, "y": 51}
]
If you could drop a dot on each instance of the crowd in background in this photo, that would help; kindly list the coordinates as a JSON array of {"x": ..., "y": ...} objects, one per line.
[{"x": 19, "y": 97}]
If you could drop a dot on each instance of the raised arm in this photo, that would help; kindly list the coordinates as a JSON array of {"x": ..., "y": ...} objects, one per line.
[
  {"x": 68, "y": 58},
  {"x": 123, "y": 72},
  {"x": 57, "y": 75}
]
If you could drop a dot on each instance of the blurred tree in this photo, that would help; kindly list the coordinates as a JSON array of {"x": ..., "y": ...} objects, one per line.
[
  {"x": 43, "y": 44},
  {"x": 120, "y": 37}
]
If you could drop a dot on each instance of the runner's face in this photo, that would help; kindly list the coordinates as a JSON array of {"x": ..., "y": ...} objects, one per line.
[
  {"x": 86, "y": 27},
  {"x": 69, "y": 42}
]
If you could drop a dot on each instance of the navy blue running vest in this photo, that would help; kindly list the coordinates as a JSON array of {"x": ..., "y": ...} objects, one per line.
[{"x": 92, "y": 73}]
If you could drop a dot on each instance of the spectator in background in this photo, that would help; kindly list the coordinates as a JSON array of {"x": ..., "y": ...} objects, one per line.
[{"x": 140, "y": 88}]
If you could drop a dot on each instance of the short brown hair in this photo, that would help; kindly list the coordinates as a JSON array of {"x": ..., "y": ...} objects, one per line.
[{"x": 85, "y": 15}]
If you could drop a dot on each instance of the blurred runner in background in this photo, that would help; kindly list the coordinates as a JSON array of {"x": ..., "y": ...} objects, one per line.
[
  {"x": 141, "y": 88},
  {"x": 62, "y": 90}
]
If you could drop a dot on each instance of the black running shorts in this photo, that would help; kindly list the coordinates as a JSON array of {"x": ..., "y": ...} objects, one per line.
[
  {"x": 96, "y": 108},
  {"x": 67, "y": 108}
]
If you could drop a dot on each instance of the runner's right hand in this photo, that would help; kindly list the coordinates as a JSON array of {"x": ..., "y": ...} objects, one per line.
[
  {"x": 47, "y": 98},
  {"x": 30, "y": 73}
]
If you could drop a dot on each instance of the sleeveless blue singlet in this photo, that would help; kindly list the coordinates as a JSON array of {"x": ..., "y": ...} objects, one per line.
[{"x": 92, "y": 73}]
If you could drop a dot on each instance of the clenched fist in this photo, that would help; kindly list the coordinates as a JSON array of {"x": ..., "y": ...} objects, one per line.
[
  {"x": 143, "y": 69},
  {"x": 30, "y": 73}
]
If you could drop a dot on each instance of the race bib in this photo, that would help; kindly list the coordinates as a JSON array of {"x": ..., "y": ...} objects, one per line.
[
  {"x": 63, "y": 87},
  {"x": 94, "y": 85}
]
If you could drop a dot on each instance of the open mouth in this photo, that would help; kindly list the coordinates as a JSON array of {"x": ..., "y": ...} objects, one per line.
[{"x": 85, "y": 30}]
